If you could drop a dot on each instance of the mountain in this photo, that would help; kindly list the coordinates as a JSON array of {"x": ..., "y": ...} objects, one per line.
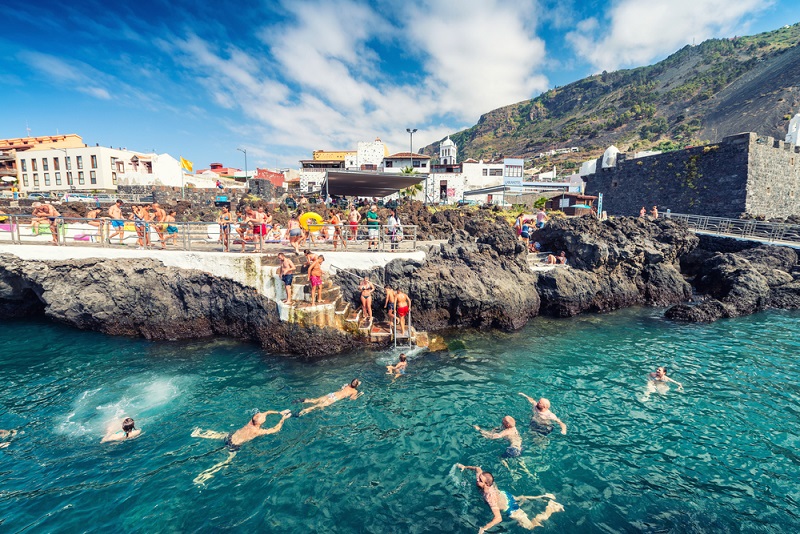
[{"x": 699, "y": 93}]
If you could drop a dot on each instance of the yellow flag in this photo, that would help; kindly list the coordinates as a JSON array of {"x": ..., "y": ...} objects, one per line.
[{"x": 186, "y": 164}]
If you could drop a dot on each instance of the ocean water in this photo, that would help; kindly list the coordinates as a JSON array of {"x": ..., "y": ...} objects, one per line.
[{"x": 719, "y": 456}]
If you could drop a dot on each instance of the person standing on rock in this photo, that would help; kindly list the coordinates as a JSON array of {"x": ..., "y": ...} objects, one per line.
[
  {"x": 286, "y": 270},
  {"x": 542, "y": 416},
  {"x": 541, "y": 218},
  {"x": 643, "y": 212},
  {"x": 366, "y": 288},
  {"x": 315, "y": 277},
  {"x": 390, "y": 304},
  {"x": 654, "y": 212},
  {"x": 403, "y": 303}
]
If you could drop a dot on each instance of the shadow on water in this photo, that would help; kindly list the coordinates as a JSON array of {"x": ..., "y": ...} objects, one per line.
[{"x": 717, "y": 456}]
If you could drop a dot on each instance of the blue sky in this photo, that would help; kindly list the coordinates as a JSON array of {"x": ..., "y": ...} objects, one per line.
[{"x": 284, "y": 78}]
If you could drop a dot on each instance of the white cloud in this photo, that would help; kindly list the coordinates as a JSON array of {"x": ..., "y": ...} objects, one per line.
[
  {"x": 635, "y": 32},
  {"x": 325, "y": 80}
]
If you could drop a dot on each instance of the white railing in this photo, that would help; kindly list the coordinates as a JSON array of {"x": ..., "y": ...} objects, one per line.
[
  {"x": 200, "y": 236},
  {"x": 741, "y": 228}
]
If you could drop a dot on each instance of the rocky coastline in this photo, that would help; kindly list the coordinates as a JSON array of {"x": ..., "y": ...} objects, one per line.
[{"x": 479, "y": 278}]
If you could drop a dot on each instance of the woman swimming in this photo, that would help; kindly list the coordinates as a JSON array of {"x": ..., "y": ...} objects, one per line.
[{"x": 129, "y": 431}]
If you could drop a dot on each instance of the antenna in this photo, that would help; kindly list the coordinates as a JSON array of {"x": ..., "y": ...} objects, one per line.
[{"x": 28, "y": 128}]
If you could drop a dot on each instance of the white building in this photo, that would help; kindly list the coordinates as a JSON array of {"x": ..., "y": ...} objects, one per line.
[
  {"x": 93, "y": 169},
  {"x": 793, "y": 135},
  {"x": 449, "y": 180},
  {"x": 397, "y": 162}
]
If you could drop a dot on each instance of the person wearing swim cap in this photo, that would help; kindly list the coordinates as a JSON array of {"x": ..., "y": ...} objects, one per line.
[
  {"x": 348, "y": 391},
  {"x": 129, "y": 431},
  {"x": 503, "y": 503}
]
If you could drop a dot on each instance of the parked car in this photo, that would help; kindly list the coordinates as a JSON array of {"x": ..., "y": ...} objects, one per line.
[
  {"x": 77, "y": 197},
  {"x": 42, "y": 196},
  {"x": 105, "y": 199}
]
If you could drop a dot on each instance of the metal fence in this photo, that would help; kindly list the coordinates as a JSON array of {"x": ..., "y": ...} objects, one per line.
[
  {"x": 741, "y": 228},
  {"x": 195, "y": 236}
]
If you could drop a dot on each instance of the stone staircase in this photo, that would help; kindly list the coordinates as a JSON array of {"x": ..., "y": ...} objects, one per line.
[{"x": 334, "y": 311}]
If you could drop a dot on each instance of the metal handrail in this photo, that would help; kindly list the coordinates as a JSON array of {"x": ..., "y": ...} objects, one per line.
[
  {"x": 75, "y": 231},
  {"x": 741, "y": 228}
]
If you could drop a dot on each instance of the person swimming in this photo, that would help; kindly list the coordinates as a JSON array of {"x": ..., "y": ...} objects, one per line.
[
  {"x": 234, "y": 440},
  {"x": 510, "y": 433},
  {"x": 129, "y": 431},
  {"x": 504, "y": 503},
  {"x": 348, "y": 391},
  {"x": 658, "y": 382},
  {"x": 543, "y": 419},
  {"x": 399, "y": 368},
  {"x": 661, "y": 376}
]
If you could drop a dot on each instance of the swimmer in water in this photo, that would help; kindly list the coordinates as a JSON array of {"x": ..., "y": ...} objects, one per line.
[
  {"x": 235, "y": 440},
  {"x": 658, "y": 383},
  {"x": 514, "y": 449},
  {"x": 129, "y": 431},
  {"x": 6, "y": 434},
  {"x": 661, "y": 376},
  {"x": 543, "y": 419},
  {"x": 502, "y": 503},
  {"x": 399, "y": 368},
  {"x": 348, "y": 391}
]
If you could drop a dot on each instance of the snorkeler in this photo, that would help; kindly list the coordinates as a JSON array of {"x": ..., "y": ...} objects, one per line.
[
  {"x": 503, "y": 503},
  {"x": 129, "y": 431},
  {"x": 510, "y": 433},
  {"x": 542, "y": 416},
  {"x": 6, "y": 434},
  {"x": 235, "y": 440},
  {"x": 348, "y": 391},
  {"x": 661, "y": 376},
  {"x": 399, "y": 368}
]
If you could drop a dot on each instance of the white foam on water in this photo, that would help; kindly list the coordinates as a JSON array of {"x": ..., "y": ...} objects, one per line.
[
  {"x": 95, "y": 411},
  {"x": 390, "y": 357}
]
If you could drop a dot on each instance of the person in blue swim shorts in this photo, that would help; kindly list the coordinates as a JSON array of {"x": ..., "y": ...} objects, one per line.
[{"x": 502, "y": 503}]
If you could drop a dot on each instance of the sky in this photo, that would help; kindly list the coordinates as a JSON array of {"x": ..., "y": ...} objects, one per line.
[{"x": 280, "y": 79}]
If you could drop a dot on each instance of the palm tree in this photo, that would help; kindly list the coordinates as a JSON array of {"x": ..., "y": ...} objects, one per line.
[{"x": 411, "y": 190}]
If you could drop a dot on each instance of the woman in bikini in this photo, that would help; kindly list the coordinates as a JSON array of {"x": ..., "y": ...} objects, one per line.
[
  {"x": 295, "y": 233},
  {"x": 336, "y": 224},
  {"x": 139, "y": 224},
  {"x": 366, "y": 287}
]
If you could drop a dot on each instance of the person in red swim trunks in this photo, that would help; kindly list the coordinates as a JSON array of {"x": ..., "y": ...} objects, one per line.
[{"x": 403, "y": 304}]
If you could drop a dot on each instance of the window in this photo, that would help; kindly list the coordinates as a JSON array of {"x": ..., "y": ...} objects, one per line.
[
  {"x": 113, "y": 162},
  {"x": 24, "y": 165},
  {"x": 486, "y": 172},
  {"x": 58, "y": 178},
  {"x": 514, "y": 171},
  {"x": 45, "y": 164},
  {"x": 94, "y": 161},
  {"x": 148, "y": 167},
  {"x": 93, "y": 177},
  {"x": 25, "y": 180},
  {"x": 563, "y": 203},
  {"x": 79, "y": 161},
  {"x": 81, "y": 180},
  {"x": 56, "y": 164},
  {"x": 389, "y": 164},
  {"x": 120, "y": 166},
  {"x": 47, "y": 178},
  {"x": 417, "y": 163},
  {"x": 68, "y": 163},
  {"x": 495, "y": 172},
  {"x": 33, "y": 165},
  {"x": 35, "y": 180},
  {"x": 69, "y": 178},
  {"x": 113, "y": 177}
]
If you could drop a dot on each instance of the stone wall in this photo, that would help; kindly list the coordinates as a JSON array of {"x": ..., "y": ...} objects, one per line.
[
  {"x": 773, "y": 189},
  {"x": 707, "y": 180},
  {"x": 743, "y": 174}
]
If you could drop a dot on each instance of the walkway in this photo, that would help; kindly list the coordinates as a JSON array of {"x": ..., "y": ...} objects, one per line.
[{"x": 779, "y": 234}]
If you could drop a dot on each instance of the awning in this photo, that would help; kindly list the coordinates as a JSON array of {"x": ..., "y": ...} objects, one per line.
[{"x": 367, "y": 184}]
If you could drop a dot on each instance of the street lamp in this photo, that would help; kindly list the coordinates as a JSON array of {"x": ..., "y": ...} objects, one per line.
[
  {"x": 411, "y": 155},
  {"x": 244, "y": 151}
]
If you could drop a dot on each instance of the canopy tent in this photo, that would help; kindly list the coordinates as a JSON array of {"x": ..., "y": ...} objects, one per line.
[{"x": 368, "y": 184}]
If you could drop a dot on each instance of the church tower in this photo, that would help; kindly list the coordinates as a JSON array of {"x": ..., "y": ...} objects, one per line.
[{"x": 447, "y": 152}]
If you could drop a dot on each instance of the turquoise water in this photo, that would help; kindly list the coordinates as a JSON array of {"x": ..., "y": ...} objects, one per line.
[{"x": 721, "y": 456}]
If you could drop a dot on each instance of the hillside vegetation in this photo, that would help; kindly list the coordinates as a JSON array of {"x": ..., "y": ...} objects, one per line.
[{"x": 700, "y": 93}]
